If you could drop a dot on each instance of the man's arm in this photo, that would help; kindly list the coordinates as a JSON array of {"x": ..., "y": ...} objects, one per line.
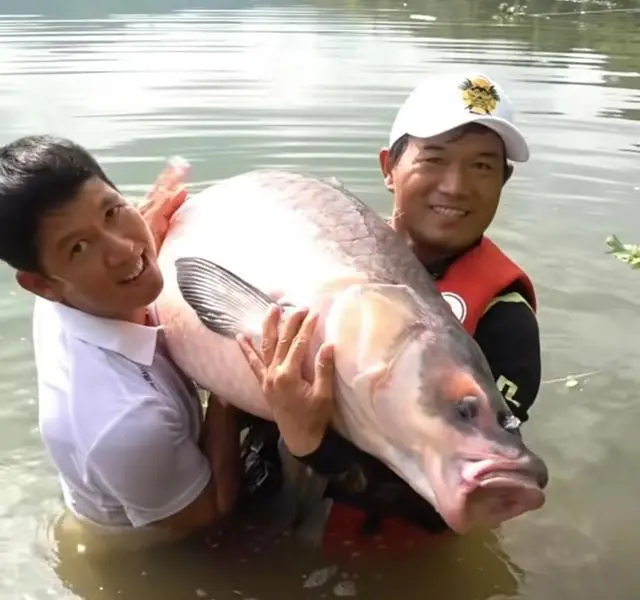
[
  {"x": 147, "y": 461},
  {"x": 302, "y": 409},
  {"x": 334, "y": 456},
  {"x": 509, "y": 336},
  {"x": 220, "y": 443}
]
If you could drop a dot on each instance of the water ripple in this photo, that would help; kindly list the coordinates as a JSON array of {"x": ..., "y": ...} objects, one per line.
[{"x": 315, "y": 88}]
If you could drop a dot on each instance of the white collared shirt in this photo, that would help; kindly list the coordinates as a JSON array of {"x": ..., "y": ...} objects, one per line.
[{"x": 119, "y": 420}]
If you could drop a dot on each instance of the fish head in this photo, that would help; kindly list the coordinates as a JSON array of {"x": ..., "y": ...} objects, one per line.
[{"x": 416, "y": 392}]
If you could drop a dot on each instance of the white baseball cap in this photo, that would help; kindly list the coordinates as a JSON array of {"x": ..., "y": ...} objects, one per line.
[{"x": 443, "y": 102}]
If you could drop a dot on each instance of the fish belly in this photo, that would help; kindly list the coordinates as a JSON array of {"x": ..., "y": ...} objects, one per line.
[{"x": 265, "y": 235}]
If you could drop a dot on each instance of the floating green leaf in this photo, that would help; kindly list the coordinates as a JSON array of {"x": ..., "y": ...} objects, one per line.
[{"x": 626, "y": 253}]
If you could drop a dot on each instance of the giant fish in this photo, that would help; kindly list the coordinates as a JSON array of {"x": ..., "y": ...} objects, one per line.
[{"x": 412, "y": 389}]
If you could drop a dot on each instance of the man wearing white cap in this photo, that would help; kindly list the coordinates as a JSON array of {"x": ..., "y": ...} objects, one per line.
[{"x": 448, "y": 159}]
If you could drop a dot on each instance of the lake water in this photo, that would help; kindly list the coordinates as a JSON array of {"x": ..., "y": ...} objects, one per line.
[{"x": 314, "y": 86}]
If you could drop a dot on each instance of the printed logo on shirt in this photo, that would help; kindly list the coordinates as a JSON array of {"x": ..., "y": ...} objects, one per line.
[
  {"x": 508, "y": 389},
  {"x": 147, "y": 377},
  {"x": 456, "y": 304}
]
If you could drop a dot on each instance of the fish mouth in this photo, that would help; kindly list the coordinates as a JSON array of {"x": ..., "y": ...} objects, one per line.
[{"x": 487, "y": 492}]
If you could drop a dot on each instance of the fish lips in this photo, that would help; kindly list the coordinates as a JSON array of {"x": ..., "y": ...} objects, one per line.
[{"x": 487, "y": 492}]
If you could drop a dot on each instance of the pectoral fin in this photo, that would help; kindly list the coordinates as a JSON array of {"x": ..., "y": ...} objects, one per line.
[
  {"x": 224, "y": 302},
  {"x": 369, "y": 323}
]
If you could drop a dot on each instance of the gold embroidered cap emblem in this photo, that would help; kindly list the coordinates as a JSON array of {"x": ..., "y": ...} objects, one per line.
[{"x": 479, "y": 95}]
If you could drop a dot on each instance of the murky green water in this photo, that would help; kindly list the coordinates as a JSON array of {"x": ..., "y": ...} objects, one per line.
[{"x": 314, "y": 86}]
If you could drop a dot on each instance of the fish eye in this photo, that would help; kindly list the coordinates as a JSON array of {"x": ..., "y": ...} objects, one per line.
[{"x": 468, "y": 408}]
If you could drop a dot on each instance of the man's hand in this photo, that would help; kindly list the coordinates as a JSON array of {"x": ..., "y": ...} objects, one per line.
[
  {"x": 165, "y": 197},
  {"x": 301, "y": 409}
]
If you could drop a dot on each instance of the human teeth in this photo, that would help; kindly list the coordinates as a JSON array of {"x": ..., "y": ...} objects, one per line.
[
  {"x": 135, "y": 272},
  {"x": 448, "y": 211}
]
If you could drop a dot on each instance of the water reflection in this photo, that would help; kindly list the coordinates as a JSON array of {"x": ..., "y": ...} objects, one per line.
[
  {"x": 314, "y": 86},
  {"x": 476, "y": 568}
]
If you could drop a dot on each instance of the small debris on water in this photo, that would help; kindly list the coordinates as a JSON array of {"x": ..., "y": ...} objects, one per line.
[
  {"x": 81, "y": 548},
  {"x": 428, "y": 18},
  {"x": 320, "y": 576},
  {"x": 201, "y": 593},
  {"x": 345, "y": 588},
  {"x": 571, "y": 382}
]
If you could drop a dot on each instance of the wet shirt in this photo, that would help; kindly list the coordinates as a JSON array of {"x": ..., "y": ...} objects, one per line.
[{"x": 120, "y": 422}]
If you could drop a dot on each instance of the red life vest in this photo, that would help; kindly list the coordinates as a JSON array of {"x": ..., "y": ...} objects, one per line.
[
  {"x": 476, "y": 278},
  {"x": 469, "y": 285}
]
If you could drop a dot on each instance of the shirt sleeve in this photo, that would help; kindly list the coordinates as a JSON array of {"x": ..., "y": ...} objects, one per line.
[
  {"x": 334, "y": 457},
  {"x": 509, "y": 337},
  {"x": 148, "y": 462}
]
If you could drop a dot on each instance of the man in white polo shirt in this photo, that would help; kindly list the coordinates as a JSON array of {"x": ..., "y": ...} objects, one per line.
[{"x": 123, "y": 426}]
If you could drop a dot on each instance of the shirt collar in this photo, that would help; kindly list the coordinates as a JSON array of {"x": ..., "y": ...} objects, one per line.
[
  {"x": 135, "y": 342},
  {"x": 438, "y": 268}
]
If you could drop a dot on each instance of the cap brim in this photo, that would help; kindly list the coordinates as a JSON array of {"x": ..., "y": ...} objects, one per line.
[{"x": 516, "y": 146}]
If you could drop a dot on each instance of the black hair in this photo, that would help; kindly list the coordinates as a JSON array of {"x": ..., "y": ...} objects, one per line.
[
  {"x": 400, "y": 145},
  {"x": 38, "y": 174}
]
